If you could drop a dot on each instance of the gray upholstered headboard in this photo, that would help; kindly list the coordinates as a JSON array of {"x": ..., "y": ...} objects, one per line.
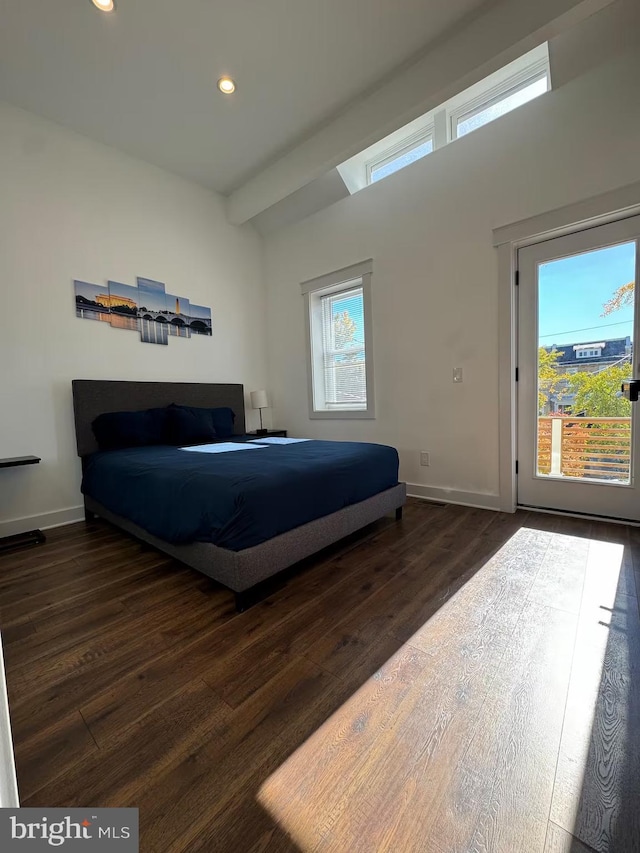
[{"x": 93, "y": 397}]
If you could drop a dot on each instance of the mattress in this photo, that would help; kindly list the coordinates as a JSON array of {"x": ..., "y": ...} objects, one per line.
[{"x": 238, "y": 495}]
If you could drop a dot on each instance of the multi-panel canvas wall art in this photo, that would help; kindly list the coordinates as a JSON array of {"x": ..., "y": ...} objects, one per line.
[
  {"x": 201, "y": 320},
  {"x": 123, "y": 301},
  {"x": 146, "y": 308},
  {"x": 92, "y": 301},
  {"x": 153, "y": 312},
  {"x": 181, "y": 308}
]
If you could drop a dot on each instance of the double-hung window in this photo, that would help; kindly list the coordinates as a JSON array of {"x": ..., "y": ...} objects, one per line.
[{"x": 338, "y": 323}]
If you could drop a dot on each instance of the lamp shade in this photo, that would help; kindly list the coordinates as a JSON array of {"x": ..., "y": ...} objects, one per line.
[{"x": 259, "y": 400}]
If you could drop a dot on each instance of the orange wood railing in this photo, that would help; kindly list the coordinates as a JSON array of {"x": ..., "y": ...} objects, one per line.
[
  {"x": 597, "y": 448},
  {"x": 544, "y": 445}
]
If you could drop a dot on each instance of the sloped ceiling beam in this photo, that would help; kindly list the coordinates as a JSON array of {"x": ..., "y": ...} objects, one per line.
[{"x": 506, "y": 30}]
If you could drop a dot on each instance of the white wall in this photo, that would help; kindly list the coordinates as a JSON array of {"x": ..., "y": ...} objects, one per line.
[
  {"x": 71, "y": 208},
  {"x": 429, "y": 230}
]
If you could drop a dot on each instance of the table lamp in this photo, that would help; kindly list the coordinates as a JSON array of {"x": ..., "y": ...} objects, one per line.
[{"x": 259, "y": 401}]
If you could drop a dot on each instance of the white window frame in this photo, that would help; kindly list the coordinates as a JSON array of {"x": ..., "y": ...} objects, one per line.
[
  {"x": 357, "y": 275},
  {"x": 441, "y": 123},
  {"x": 589, "y": 350},
  {"x": 407, "y": 145},
  {"x": 588, "y": 353},
  {"x": 510, "y": 86}
]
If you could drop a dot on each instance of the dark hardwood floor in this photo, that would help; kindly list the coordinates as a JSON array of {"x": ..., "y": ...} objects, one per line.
[{"x": 458, "y": 681}]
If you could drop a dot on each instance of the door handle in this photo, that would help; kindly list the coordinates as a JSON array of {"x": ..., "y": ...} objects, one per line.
[{"x": 630, "y": 389}]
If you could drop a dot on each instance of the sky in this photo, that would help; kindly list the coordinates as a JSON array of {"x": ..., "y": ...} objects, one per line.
[
  {"x": 90, "y": 291},
  {"x": 152, "y": 295},
  {"x": 184, "y": 303},
  {"x": 400, "y": 162},
  {"x": 126, "y": 290},
  {"x": 572, "y": 293},
  {"x": 200, "y": 312}
]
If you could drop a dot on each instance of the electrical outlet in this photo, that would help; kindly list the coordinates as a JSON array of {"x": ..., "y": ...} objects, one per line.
[
  {"x": 424, "y": 458},
  {"x": 457, "y": 374}
]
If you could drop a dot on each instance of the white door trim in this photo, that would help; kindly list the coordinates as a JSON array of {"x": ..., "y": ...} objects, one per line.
[
  {"x": 598, "y": 210},
  {"x": 586, "y": 495}
]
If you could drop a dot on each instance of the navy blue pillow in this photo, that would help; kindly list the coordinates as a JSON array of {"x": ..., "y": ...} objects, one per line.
[
  {"x": 190, "y": 424},
  {"x": 117, "y": 430},
  {"x": 223, "y": 419}
]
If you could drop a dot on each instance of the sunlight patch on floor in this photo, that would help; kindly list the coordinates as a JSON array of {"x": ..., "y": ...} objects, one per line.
[
  {"x": 416, "y": 711},
  {"x": 605, "y": 609}
]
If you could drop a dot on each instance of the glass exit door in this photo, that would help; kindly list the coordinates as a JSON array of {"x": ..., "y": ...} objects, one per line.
[{"x": 577, "y": 325}]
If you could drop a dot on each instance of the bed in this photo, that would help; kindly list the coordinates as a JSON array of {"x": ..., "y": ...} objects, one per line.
[{"x": 240, "y": 510}]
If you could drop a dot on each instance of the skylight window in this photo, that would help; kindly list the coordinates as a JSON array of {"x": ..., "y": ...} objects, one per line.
[
  {"x": 510, "y": 101},
  {"x": 507, "y": 89},
  {"x": 394, "y": 162}
]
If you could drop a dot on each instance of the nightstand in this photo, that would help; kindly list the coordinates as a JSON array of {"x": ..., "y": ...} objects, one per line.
[
  {"x": 270, "y": 433},
  {"x": 31, "y": 537}
]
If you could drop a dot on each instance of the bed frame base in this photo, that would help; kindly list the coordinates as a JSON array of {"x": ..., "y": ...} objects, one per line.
[
  {"x": 243, "y": 571},
  {"x": 244, "y": 601}
]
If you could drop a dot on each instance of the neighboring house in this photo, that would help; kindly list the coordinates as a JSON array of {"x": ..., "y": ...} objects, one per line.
[{"x": 584, "y": 357}]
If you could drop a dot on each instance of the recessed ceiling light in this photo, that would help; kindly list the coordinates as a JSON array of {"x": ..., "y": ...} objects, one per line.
[
  {"x": 226, "y": 85},
  {"x": 104, "y": 5}
]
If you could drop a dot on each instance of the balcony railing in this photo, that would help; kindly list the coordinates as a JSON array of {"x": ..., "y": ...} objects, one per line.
[{"x": 591, "y": 448}]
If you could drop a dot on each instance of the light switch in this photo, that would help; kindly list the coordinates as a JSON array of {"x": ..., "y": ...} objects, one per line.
[{"x": 457, "y": 374}]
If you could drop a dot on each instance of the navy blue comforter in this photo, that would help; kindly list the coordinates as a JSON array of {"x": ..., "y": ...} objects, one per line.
[{"x": 236, "y": 499}]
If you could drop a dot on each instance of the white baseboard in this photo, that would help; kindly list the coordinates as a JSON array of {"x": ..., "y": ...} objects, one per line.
[
  {"x": 479, "y": 500},
  {"x": 42, "y": 522},
  {"x": 414, "y": 490}
]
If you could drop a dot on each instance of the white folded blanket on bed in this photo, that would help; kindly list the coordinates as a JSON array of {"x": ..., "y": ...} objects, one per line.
[
  {"x": 278, "y": 440},
  {"x": 223, "y": 447}
]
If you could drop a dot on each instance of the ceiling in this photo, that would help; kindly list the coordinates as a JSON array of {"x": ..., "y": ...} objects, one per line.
[{"x": 144, "y": 78}]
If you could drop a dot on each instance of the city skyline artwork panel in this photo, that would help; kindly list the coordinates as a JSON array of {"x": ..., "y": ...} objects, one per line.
[{"x": 145, "y": 307}]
